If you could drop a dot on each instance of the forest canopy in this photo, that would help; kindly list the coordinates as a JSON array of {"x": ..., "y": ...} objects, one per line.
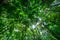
[{"x": 29, "y": 19}]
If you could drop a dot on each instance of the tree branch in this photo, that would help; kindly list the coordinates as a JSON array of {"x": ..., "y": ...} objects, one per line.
[{"x": 57, "y": 4}]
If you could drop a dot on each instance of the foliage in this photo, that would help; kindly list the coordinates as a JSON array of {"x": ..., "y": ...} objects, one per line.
[{"x": 29, "y": 20}]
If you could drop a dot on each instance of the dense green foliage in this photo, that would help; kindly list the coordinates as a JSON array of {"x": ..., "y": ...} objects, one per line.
[{"x": 29, "y": 20}]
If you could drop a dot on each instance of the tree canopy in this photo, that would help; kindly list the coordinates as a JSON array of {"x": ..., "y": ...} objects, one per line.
[{"x": 29, "y": 19}]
